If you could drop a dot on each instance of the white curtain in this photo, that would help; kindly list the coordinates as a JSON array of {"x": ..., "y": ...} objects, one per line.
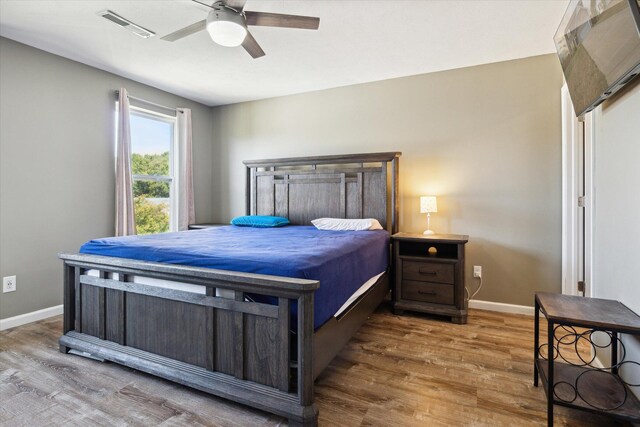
[
  {"x": 186, "y": 210},
  {"x": 125, "y": 217}
]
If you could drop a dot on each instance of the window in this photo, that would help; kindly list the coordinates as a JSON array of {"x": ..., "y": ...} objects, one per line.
[{"x": 152, "y": 168}]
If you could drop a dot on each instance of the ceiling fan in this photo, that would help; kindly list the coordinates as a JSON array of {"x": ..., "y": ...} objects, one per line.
[{"x": 227, "y": 25}]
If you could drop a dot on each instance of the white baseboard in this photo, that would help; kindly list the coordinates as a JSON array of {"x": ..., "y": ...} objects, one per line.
[
  {"x": 501, "y": 307},
  {"x": 597, "y": 363},
  {"x": 34, "y": 316}
]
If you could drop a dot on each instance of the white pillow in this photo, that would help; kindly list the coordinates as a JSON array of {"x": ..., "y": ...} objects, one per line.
[{"x": 341, "y": 224}]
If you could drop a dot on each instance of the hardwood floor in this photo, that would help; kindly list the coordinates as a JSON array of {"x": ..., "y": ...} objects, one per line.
[{"x": 410, "y": 370}]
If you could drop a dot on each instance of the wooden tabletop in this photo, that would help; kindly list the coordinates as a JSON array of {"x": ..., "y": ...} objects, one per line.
[
  {"x": 594, "y": 313},
  {"x": 445, "y": 238},
  {"x": 206, "y": 225}
]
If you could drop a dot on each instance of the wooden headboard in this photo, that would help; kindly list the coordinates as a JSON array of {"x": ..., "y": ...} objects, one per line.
[{"x": 343, "y": 186}]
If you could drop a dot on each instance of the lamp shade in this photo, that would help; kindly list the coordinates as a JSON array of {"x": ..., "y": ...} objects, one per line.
[
  {"x": 428, "y": 204},
  {"x": 226, "y": 28}
]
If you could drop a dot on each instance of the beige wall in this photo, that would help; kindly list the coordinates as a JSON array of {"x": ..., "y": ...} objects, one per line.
[
  {"x": 486, "y": 140},
  {"x": 57, "y": 165}
]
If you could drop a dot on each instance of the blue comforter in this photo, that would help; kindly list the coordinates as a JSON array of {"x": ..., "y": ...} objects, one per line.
[{"x": 341, "y": 260}]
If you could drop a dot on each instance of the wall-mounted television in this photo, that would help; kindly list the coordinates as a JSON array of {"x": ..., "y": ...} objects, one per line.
[{"x": 598, "y": 43}]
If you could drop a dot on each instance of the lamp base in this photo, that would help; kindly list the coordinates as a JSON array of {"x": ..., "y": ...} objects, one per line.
[{"x": 428, "y": 232}]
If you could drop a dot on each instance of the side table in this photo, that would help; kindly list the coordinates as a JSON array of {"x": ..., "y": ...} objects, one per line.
[
  {"x": 571, "y": 379},
  {"x": 207, "y": 225}
]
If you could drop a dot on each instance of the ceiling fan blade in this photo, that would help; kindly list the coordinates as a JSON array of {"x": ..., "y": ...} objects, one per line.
[
  {"x": 265, "y": 19},
  {"x": 235, "y": 4},
  {"x": 203, "y": 4},
  {"x": 251, "y": 45},
  {"x": 186, "y": 31}
]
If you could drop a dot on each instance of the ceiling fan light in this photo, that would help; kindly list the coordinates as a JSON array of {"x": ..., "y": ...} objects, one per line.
[
  {"x": 226, "y": 28},
  {"x": 227, "y": 33}
]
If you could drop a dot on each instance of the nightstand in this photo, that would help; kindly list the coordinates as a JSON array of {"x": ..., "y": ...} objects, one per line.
[
  {"x": 430, "y": 280},
  {"x": 201, "y": 226}
]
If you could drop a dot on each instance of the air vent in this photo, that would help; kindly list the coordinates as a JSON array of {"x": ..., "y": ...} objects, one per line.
[{"x": 125, "y": 23}]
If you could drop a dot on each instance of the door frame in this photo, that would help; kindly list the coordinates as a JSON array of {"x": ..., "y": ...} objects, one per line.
[
  {"x": 578, "y": 169},
  {"x": 569, "y": 195},
  {"x": 589, "y": 197}
]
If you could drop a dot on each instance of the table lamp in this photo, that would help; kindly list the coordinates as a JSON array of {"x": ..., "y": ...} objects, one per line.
[{"x": 428, "y": 204}]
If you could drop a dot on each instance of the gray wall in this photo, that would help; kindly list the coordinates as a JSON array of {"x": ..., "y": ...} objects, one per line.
[
  {"x": 617, "y": 207},
  {"x": 486, "y": 140},
  {"x": 57, "y": 165}
]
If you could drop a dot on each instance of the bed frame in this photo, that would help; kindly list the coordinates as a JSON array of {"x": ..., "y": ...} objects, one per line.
[{"x": 230, "y": 347}]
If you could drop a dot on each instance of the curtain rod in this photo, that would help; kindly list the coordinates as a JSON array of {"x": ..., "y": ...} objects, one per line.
[{"x": 175, "y": 110}]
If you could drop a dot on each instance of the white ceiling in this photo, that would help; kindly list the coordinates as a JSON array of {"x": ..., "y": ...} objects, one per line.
[{"x": 358, "y": 41}]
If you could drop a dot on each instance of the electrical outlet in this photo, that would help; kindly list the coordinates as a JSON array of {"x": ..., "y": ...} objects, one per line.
[
  {"x": 477, "y": 271},
  {"x": 9, "y": 284}
]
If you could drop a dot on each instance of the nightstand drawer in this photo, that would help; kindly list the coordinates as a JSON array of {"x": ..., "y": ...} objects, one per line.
[
  {"x": 427, "y": 292},
  {"x": 428, "y": 271}
]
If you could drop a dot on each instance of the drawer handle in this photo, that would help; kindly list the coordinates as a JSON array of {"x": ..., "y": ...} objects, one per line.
[
  {"x": 427, "y": 273},
  {"x": 426, "y": 293}
]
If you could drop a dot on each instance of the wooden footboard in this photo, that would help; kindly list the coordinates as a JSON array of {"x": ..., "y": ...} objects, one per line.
[{"x": 228, "y": 347}]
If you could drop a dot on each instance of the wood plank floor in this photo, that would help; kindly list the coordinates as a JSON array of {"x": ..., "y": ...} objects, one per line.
[{"x": 410, "y": 370}]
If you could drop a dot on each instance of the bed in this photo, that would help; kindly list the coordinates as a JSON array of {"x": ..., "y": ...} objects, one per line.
[{"x": 250, "y": 332}]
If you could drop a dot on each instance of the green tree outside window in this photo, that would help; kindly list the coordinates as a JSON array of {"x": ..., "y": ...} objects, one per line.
[{"x": 151, "y": 198}]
